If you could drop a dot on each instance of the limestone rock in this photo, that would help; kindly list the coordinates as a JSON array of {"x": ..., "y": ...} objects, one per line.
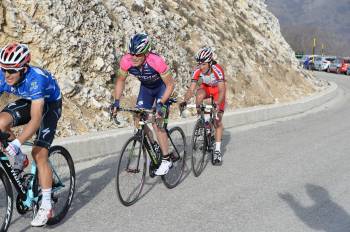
[{"x": 81, "y": 42}]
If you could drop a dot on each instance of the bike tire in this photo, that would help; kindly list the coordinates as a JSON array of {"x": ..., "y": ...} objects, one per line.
[
  {"x": 6, "y": 201},
  {"x": 62, "y": 171},
  {"x": 198, "y": 148},
  {"x": 178, "y": 157},
  {"x": 124, "y": 171}
]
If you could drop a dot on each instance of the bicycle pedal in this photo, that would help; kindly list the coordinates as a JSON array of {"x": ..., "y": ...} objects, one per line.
[{"x": 152, "y": 173}]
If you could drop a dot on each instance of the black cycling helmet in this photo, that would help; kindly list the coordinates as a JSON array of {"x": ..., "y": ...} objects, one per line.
[{"x": 139, "y": 44}]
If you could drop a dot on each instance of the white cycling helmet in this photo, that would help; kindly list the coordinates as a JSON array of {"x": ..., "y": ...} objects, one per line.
[
  {"x": 14, "y": 56},
  {"x": 204, "y": 55}
]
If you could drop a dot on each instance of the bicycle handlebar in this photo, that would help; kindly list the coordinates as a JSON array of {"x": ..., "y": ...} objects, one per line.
[
  {"x": 134, "y": 111},
  {"x": 204, "y": 106}
]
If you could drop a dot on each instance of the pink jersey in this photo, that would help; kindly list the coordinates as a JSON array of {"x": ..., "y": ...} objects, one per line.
[{"x": 149, "y": 72}]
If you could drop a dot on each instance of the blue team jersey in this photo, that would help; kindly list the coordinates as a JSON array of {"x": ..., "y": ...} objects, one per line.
[{"x": 37, "y": 84}]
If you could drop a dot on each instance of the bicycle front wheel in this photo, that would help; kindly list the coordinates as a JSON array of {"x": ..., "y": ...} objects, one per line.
[
  {"x": 6, "y": 201},
  {"x": 177, "y": 148},
  {"x": 63, "y": 185},
  {"x": 131, "y": 171},
  {"x": 199, "y": 148}
]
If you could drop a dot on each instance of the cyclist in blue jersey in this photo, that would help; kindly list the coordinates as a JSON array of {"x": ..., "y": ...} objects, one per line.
[
  {"x": 157, "y": 84},
  {"x": 39, "y": 107}
]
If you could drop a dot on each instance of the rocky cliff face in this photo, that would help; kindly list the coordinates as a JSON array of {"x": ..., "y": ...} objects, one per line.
[{"x": 81, "y": 41}]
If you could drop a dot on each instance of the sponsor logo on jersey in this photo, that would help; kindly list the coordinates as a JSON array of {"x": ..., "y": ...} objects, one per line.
[{"x": 33, "y": 86}]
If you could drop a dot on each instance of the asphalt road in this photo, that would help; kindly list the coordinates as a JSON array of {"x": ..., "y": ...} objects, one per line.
[{"x": 290, "y": 174}]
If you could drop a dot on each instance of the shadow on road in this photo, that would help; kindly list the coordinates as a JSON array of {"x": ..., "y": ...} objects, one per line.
[
  {"x": 226, "y": 139},
  {"x": 323, "y": 215},
  {"x": 90, "y": 182}
]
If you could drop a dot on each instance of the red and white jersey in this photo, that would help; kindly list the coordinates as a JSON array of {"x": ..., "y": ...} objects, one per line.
[{"x": 215, "y": 75}]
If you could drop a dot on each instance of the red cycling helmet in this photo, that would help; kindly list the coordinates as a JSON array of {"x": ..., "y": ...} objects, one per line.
[{"x": 14, "y": 56}]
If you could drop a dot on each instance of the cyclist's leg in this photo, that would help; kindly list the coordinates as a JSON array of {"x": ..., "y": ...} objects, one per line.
[
  {"x": 6, "y": 120},
  {"x": 202, "y": 93},
  {"x": 162, "y": 137},
  {"x": 160, "y": 132},
  {"x": 15, "y": 114},
  {"x": 40, "y": 152},
  {"x": 145, "y": 101},
  {"x": 219, "y": 127}
]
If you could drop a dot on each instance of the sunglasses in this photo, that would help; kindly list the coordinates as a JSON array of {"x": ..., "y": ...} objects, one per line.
[
  {"x": 137, "y": 55},
  {"x": 10, "y": 71}
]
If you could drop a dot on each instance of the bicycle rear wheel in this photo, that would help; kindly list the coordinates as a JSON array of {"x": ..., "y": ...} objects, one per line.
[
  {"x": 6, "y": 201},
  {"x": 199, "y": 148},
  {"x": 63, "y": 185},
  {"x": 177, "y": 150},
  {"x": 131, "y": 171}
]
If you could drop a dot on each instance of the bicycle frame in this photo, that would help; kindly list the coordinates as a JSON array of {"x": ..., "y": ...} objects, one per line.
[
  {"x": 14, "y": 178},
  {"x": 212, "y": 111},
  {"x": 202, "y": 111},
  {"x": 31, "y": 194},
  {"x": 144, "y": 137}
]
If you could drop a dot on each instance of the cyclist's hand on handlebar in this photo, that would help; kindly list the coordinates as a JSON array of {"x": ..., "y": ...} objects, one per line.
[
  {"x": 13, "y": 147},
  {"x": 182, "y": 106},
  {"x": 114, "y": 108},
  {"x": 114, "y": 111},
  {"x": 161, "y": 109}
]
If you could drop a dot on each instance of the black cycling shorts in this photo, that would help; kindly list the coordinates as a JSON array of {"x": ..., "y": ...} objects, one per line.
[{"x": 20, "y": 112}]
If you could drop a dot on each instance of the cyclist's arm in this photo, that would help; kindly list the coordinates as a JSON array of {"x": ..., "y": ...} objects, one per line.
[
  {"x": 170, "y": 85},
  {"x": 36, "y": 113},
  {"x": 190, "y": 91},
  {"x": 222, "y": 90},
  {"x": 120, "y": 84}
]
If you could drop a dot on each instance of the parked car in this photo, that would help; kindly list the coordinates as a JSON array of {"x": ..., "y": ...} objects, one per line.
[
  {"x": 309, "y": 63},
  {"x": 322, "y": 62},
  {"x": 340, "y": 65},
  {"x": 335, "y": 66},
  {"x": 345, "y": 65}
]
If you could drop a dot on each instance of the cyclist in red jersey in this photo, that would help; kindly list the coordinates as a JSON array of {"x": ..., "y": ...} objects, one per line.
[{"x": 213, "y": 84}]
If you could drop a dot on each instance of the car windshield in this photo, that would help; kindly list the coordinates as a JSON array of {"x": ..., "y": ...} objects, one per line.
[
  {"x": 330, "y": 59},
  {"x": 347, "y": 61}
]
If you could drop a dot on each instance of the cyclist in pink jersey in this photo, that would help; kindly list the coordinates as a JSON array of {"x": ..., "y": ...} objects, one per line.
[{"x": 157, "y": 84}]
